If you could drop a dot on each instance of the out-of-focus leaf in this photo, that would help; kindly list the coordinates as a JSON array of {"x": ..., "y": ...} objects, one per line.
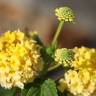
[
  {"x": 4, "y": 92},
  {"x": 34, "y": 91},
  {"x": 48, "y": 88},
  {"x": 24, "y": 92}
]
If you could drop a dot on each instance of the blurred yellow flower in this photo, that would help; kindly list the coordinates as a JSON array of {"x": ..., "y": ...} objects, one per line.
[
  {"x": 20, "y": 60},
  {"x": 65, "y": 14},
  {"x": 62, "y": 85}
]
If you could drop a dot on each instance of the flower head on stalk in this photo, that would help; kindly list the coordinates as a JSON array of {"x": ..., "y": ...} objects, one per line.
[{"x": 65, "y": 14}]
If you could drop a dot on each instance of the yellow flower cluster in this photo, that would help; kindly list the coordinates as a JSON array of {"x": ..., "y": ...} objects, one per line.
[
  {"x": 81, "y": 80},
  {"x": 20, "y": 60},
  {"x": 65, "y": 14},
  {"x": 82, "y": 83},
  {"x": 84, "y": 58},
  {"x": 64, "y": 56}
]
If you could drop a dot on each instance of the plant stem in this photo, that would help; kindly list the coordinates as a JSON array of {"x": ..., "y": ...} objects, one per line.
[
  {"x": 57, "y": 32},
  {"x": 54, "y": 67}
]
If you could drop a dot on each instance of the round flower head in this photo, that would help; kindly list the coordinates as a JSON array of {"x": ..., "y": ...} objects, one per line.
[
  {"x": 20, "y": 60},
  {"x": 64, "y": 56},
  {"x": 65, "y": 14}
]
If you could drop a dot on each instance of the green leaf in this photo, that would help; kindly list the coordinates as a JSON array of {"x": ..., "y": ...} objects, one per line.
[
  {"x": 34, "y": 91},
  {"x": 26, "y": 89},
  {"x": 48, "y": 88},
  {"x": 4, "y": 92},
  {"x": 24, "y": 92}
]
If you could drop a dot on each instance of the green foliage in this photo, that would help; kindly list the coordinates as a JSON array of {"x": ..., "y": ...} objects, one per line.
[
  {"x": 48, "y": 54},
  {"x": 51, "y": 49},
  {"x": 27, "y": 87},
  {"x": 47, "y": 59},
  {"x": 4, "y": 92},
  {"x": 65, "y": 93},
  {"x": 24, "y": 92},
  {"x": 47, "y": 88},
  {"x": 34, "y": 91}
]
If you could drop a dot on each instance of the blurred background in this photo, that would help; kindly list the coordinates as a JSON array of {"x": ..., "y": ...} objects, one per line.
[{"x": 38, "y": 15}]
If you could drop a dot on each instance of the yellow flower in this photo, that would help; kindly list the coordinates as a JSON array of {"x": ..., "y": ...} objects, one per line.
[
  {"x": 81, "y": 79},
  {"x": 81, "y": 82},
  {"x": 84, "y": 58},
  {"x": 62, "y": 85},
  {"x": 64, "y": 56},
  {"x": 65, "y": 14},
  {"x": 20, "y": 60}
]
